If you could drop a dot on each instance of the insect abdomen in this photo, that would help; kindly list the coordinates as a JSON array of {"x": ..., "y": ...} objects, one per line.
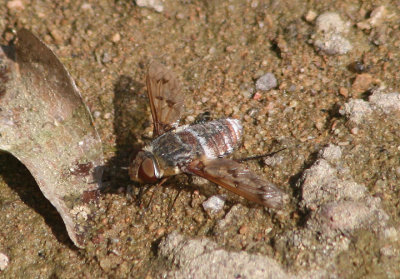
[{"x": 213, "y": 139}]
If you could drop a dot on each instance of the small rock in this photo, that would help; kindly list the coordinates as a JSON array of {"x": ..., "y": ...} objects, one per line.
[
  {"x": 310, "y": 16},
  {"x": 346, "y": 215},
  {"x": 107, "y": 115},
  {"x": 331, "y": 22},
  {"x": 212, "y": 50},
  {"x": 377, "y": 15},
  {"x": 15, "y": 5},
  {"x": 389, "y": 102},
  {"x": 354, "y": 130},
  {"x": 232, "y": 218},
  {"x": 376, "y": 18},
  {"x": 356, "y": 110},
  {"x": 86, "y": 7},
  {"x": 359, "y": 67},
  {"x": 344, "y": 92},
  {"x": 332, "y": 44},
  {"x": 246, "y": 90},
  {"x": 244, "y": 229},
  {"x": 197, "y": 180},
  {"x": 266, "y": 82},
  {"x": 391, "y": 234},
  {"x": 116, "y": 38},
  {"x": 106, "y": 58},
  {"x": 388, "y": 251},
  {"x": 108, "y": 263},
  {"x": 96, "y": 114},
  {"x": 273, "y": 160},
  {"x": 257, "y": 96},
  {"x": 157, "y": 5},
  {"x": 202, "y": 258},
  {"x": 329, "y": 34},
  {"x": 214, "y": 204},
  {"x": 331, "y": 153},
  {"x": 3, "y": 261},
  {"x": 57, "y": 35},
  {"x": 363, "y": 25},
  {"x": 320, "y": 184},
  {"x": 362, "y": 83}
]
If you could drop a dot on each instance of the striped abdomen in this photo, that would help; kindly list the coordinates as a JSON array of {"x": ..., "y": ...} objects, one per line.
[{"x": 212, "y": 139}]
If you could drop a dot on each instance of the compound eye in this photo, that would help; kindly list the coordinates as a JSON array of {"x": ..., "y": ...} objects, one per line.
[{"x": 147, "y": 172}]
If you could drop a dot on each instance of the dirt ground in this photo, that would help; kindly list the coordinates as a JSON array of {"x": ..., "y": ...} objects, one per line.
[{"x": 219, "y": 49}]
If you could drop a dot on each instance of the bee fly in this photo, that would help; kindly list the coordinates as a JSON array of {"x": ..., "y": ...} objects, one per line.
[{"x": 195, "y": 149}]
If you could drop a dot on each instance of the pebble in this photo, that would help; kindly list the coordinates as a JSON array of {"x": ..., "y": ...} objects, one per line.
[
  {"x": 362, "y": 83},
  {"x": 391, "y": 234},
  {"x": 329, "y": 34},
  {"x": 331, "y": 22},
  {"x": 157, "y": 5},
  {"x": 377, "y": 16},
  {"x": 106, "y": 57},
  {"x": 244, "y": 229},
  {"x": 331, "y": 153},
  {"x": 354, "y": 131},
  {"x": 388, "y": 103},
  {"x": 345, "y": 215},
  {"x": 359, "y": 67},
  {"x": 116, "y": 38},
  {"x": 3, "y": 261},
  {"x": 86, "y": 7},
  {"x": 388, "y": 251},
  {"x": 356, "y": 110},
  {"x": 96, "y": 114},
  {"x": 57, "y": 35},
  {"x": 214, "y": 204},
  {"x": 266, "y": 82},
  {"x": 202, "y": 258},
  {"x": 310, "y": 16},
  {"x": 257, "y": 96},
  {"x": 15, "y": 5},
  {"x": 107, "y": 115},
  {"x": 333, "y": 44},
  {"x": 320, "y": 184},
  {"x": 344, "y": 92}
]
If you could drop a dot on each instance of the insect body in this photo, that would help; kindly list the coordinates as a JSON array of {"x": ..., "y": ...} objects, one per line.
[{"x": 195, "y": 149}]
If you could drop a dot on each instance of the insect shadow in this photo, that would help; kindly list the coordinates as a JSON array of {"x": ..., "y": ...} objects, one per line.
[{"x": 131, "y": 119}]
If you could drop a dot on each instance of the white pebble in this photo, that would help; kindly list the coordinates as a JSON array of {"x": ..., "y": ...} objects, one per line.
[
  {"x": 389, "y": 102},
  {"x": 214, "y": 204},
  {"x": 15, "y": 5},
  {"x": 157, "y": 5},
  {"x": 266, "y": 82},
  {"x": 3, "y": 261},
  {"x": 331, "y": 22}
]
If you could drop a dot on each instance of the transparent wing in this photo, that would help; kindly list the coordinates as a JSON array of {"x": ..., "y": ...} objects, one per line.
[
  {"x": 237, "y": 178},
  {"x": 166, "y": 99}
]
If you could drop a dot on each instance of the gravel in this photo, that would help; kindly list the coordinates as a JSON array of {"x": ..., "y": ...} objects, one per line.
[
  {"x": 266, "y": 82},
  {"x": 201, "y": 258},
  {"x": 356, "y": 110},
  {"x": 3, "y": 261},
  {"x": 156, "y": 5},
  {"x": 214, "y": 204},
  {"x": 329, "y": 35}
]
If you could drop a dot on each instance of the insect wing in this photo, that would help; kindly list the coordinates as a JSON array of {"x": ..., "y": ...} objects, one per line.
[
  {"x": 236, "y": 178},
  {"x": 166, "y": 99}
]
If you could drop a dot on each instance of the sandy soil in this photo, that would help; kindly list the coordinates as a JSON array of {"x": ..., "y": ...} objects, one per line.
[{"x": 219, "y": 49}]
